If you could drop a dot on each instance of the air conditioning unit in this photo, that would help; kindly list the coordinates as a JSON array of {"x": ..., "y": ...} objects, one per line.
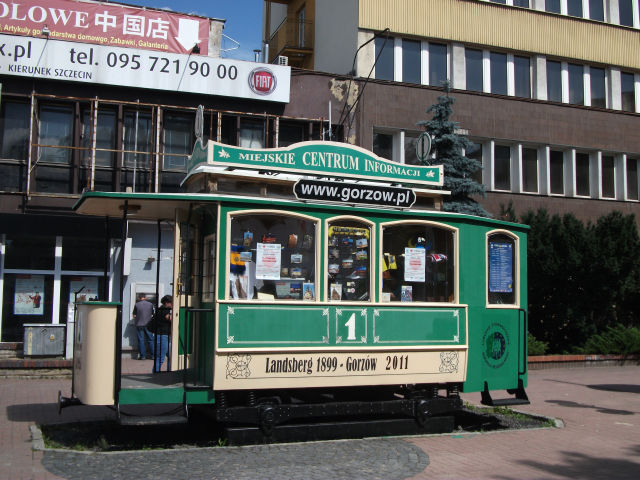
[{"x": 282, "y": 60}]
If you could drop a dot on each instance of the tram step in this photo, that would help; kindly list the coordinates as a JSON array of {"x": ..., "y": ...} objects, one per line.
[
  {"x": 153, "y": 420},
  {"x": 338, "y": 430},
  {"x": 506, "y": 402},
  {"x": 520, "y": 398}
]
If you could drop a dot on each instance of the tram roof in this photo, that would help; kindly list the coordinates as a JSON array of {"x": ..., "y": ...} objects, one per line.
[{"x": 161, "y": 206}]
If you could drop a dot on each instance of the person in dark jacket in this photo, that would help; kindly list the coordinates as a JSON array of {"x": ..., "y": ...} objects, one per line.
[{"x": 161, "y": 326}]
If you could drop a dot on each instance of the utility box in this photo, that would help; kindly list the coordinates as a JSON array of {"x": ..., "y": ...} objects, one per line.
[{"x": 44, "y": 339}]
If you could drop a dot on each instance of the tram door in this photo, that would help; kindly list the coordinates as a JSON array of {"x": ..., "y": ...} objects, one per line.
[{"x": 195, "y": 291}]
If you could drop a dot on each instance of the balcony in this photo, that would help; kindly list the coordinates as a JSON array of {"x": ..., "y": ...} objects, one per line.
[{"x": 294, "y": 39}]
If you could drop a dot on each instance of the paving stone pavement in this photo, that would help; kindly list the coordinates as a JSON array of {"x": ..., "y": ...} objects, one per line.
[
  {"x": 600, "y": 408},
  {"x": 376, "y": 459}
]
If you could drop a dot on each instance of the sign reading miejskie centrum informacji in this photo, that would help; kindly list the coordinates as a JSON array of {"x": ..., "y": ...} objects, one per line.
[{"x": 330, "y": 159}]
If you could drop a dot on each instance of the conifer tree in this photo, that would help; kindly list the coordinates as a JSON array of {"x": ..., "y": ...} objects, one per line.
[{"x": 458, "y": 169}]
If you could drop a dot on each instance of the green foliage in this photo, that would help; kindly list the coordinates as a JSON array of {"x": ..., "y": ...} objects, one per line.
[
  {"x": 617, "y": 340},
  {"x": 536, "y": 347},
  {"x": 581, "y": 278},
  {"x": 458, "y": 169}
]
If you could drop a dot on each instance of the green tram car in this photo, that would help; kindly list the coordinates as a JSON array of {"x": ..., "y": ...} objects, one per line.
[{"x": 317, "y": 282}]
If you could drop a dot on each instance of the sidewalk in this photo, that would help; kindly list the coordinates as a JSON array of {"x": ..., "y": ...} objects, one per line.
[{"x": 601, "y": 440}]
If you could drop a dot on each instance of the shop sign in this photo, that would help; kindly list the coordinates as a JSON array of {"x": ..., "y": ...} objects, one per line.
[
  {"x": 105, "y": 24},
  {"x": 59, "y": 60},
  {"x": 354, "y": 193},
  {"x": 317, "y": 158}
]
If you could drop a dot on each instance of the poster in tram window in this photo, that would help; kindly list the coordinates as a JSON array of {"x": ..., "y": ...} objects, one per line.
[
  {"x": 268, "y": 261},
  {"x": 29, "y": 295},
  {"x": 500, "y": 267},
  {"x": 415, "y": 262}
]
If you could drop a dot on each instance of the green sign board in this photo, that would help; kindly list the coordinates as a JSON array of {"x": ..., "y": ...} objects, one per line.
[{"x": 316, "y": 158}]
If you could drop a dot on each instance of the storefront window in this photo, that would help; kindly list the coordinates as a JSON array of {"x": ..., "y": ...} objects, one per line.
[
  {"x": 80, "y": 253},
  {"x": 349, "y": 261},
  {"x": 272, "y": 257},
  {"x": 501, "y": 262},
  {"x": 28, "y": 252},
  {"x": 383, "y": 145},
  {"x": 418, "y": 263},
  {"x": 26, "y": 299}
]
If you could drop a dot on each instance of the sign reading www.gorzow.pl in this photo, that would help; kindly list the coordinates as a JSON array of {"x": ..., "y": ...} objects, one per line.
[{"x": 341, "y": 192}]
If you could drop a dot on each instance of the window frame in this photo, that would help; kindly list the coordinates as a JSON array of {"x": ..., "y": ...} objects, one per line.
[
  {"x": 372, "y": 253},
  {"x": 516, "y": 269},
  {"x": 230, "y": 214},
  {"x": 209, "y": 277},
  {"x": 455, "y": 231}
]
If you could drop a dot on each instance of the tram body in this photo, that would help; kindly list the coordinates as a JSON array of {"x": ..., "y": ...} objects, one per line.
[{"x": 282, "y": 303}]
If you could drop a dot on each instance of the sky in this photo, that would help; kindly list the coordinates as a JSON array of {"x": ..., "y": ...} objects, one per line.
[{"x": 243, "y": 20}]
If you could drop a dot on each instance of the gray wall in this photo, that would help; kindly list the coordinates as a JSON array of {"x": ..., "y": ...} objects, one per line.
[{"x": 336, "y": 35}]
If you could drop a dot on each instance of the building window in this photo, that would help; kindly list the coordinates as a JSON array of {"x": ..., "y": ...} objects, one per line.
[
  {"x": 383, "y": 145},
  {"x": 251, "y": 133},
  {"x": 522, "y": 68},
  {"x": 290, "y": 133},
  {"x": 521, "y": 3},
  {"x": 574, "y": 8},
  {"x": 556, "y": 172},
  {"x": 410, "y": 155},
  {"x": 473, "y": 62},
  {"x": 498, "y": 73},
  {"x": 625, "y": 8},
  {"x": 552, "y": 6},
  {"x": 137, "y": 146},
  {"x": 437, "y": 64},
  {"x": 411, "y": 51},
  {"x": 349, "y": 261},
  {"x": 628, "y": 92},
  {"x": 530, "y": 170},
  {"x": 474, "y": 151},
  {"x": 596, "y": 10},
  {"x": 384, "y": 58},
  {"x": 554, "y": 81},
  {"x": 56, "y": 132},
  {"x": 632, "y": 179},
  {"x": 81, "y": 253},
  {"x": 576, "y": 84},
  {"x": 598, "y": 87},
  {"x": 178, "y": 140},
  {"x": 105, "y": 138},
  {"x": 14, "y": 136},
  {"x": 418, "y": 263},
  {"x": 608, "y": 177},
  {"x": 502, "y": 167},
  {"x": 583, "y": 175}
]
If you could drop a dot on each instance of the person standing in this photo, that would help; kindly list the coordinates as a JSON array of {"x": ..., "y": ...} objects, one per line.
[
  {"x": 142, "y": 315},
  {"x": 161, "y": 326}
]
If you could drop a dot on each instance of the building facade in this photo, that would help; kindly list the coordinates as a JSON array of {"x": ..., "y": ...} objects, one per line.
[{"x": 547, "y": 91}]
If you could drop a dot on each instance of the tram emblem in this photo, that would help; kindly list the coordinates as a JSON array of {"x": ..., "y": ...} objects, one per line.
[{"x": 495, "y": 343}]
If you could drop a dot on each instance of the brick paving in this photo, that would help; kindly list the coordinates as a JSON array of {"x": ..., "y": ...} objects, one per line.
[{"x": 599, "y": 406}]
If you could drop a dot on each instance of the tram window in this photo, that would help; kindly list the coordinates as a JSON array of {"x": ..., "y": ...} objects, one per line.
[
  {"x": 418, "y": 264},
  {"x": 349, "y": 261},
  {"x": 501, "y": 262},
  {"x": 272, "y": 257}
]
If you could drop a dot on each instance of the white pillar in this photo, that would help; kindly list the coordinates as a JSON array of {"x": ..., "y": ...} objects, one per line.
[
  {"x": 615, "y": 89},
  {"x": 511, "y": 75},
  {"x": 424, "y": 63},
  {"x": 459, "y": 71},
  {"x": 540, "y": 77},
  {"x": 397, "y": 59},
  {"x": 565, "y": 82},
  {"x": 587, "y": 85},
  {"x": 544, "y": 169},
  {"x": 486, "y": 71},
  {"x": 55, "y": 315}
]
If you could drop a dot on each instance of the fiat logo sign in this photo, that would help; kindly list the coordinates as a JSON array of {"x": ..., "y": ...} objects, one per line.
[{"x": 262, "y": 81}]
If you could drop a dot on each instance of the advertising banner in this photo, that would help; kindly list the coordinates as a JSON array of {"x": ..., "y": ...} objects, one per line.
[
  {"x": 59, "y": 60},
  {"x": 105, "y": 24}
]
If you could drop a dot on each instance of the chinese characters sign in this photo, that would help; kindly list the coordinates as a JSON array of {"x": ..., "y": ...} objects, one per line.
[{"x": 105, "y": 24}]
